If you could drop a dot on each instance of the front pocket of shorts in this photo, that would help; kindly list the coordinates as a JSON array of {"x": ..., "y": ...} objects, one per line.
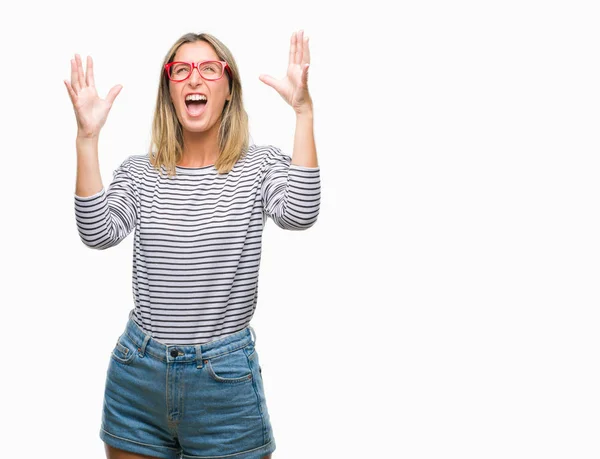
[
  {"x": 123, "y": 351},
  {"x": 230, "y": 368}
]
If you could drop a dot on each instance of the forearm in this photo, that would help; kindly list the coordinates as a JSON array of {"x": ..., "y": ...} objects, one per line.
[
  {"x": 89, "y": 180},
  {"x": 305, "y": 151}
]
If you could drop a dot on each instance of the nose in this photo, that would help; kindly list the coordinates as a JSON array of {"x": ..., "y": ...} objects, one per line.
[{"x": 195, "y": 77}]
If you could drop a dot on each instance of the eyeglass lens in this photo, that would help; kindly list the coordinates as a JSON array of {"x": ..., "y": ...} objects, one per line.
[{"x": 208, "y": 70}]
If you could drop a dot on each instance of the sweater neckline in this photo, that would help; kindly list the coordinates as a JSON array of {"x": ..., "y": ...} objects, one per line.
[{"x": 195, "y": 170}]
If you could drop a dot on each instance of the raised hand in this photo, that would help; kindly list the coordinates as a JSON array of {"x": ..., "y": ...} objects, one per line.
[
  {"x": 90, "y": 110},
  {"x": 294, "y": 86}
]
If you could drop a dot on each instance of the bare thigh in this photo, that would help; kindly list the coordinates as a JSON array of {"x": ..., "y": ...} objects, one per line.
[{"x": 114, "y": 453}]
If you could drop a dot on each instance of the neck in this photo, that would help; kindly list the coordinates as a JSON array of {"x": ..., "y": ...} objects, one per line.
[{"x": 199, "y": 149}]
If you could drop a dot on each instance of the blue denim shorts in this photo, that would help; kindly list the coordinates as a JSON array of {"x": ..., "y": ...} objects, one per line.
[{"x": 171, "y": 401}]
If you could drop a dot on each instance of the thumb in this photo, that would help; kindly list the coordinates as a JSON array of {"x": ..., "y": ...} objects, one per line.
[
  {"x": 72, "y": 94},
  {"x": 113, "y": 93},
  {"x": 270, "y": 81}
]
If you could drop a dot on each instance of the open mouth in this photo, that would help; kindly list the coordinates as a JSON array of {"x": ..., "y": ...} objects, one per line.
[{"x": 195, "y": 104}]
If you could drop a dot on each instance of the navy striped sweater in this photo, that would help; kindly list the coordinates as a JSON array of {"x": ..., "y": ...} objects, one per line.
[{"x": 198, "y": 235}]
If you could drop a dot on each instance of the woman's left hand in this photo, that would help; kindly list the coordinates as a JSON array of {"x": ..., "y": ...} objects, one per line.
[{"x": 294, "y": 87}]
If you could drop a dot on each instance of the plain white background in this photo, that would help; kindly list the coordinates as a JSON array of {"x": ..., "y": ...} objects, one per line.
[{"x": 446, "y": 302}]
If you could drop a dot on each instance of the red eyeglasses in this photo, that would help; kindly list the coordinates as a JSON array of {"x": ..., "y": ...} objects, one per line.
[{"x": 208, "y": 70}]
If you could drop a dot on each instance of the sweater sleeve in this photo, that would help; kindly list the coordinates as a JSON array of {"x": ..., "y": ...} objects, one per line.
[
  {"x": 291, "y": 194},
  {"x": 107, "y": 217}
]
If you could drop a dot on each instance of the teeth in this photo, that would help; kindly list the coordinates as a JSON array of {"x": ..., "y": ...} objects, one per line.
[{"x": 195, "y": 97}]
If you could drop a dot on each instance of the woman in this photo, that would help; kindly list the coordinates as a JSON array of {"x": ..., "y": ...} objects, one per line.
[{"x": 184, "y": 378}]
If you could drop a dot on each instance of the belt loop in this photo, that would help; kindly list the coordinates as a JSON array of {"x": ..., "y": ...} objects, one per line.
[
  {"x": 143, "y": 348},
  {"x": 253, "y": 334},
  {"x": 199, "y": 356}
]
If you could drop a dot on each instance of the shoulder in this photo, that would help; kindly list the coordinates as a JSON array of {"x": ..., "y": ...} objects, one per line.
[
  {"x": 135, "y": 167},
  {"x": 267, "y": 155},
  {"x": 133, "y": 162},
  {"x": 138, "y": 165}
]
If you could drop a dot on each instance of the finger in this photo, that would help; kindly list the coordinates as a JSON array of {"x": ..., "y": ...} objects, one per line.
[
  {"x": 113, "y": 93},
  {"x": 72, "y": 94},
  {"x": 80, "y": 70},
  {"x": 89, "y": 73},
  {"x": 306, "y": 57},
  {"x": 299, "y": 47},
  {"x": 292, "y": 49},
  {"x": 74, "y": 78}
]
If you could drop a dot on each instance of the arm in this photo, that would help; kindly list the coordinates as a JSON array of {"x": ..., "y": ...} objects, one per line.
[
  {"x": 105, "y": 218},
  {"x": 88, "y": 181},
  {"x": 305, "y": 151},
  {"x": 291, "y": 188}
]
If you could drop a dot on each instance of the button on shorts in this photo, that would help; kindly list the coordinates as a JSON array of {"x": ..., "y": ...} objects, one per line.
[{"x": 170, "y": 401}]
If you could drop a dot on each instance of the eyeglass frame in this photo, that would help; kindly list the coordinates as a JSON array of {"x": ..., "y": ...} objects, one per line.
[{"x": 224, "y": 66}]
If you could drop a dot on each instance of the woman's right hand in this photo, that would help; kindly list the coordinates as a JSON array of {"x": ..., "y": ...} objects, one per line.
[{"x": 90, "y": 111}]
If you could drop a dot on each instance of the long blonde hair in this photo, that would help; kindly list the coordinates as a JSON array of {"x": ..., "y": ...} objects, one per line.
[{"x": 167, "y": 134}]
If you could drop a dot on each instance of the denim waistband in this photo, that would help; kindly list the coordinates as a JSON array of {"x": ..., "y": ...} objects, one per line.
[{"x": 171, "y": 353}]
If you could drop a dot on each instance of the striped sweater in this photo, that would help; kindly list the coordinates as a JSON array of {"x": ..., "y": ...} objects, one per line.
[{"x": 198, "y": 235}]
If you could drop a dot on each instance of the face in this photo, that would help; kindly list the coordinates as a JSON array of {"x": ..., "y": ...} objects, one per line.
[{"x": 198, "y": 117}]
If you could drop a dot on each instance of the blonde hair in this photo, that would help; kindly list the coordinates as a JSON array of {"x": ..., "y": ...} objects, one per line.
[{"x": 167, "y": 134}]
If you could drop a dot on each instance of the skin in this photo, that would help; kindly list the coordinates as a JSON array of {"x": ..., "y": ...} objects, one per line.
[
  {"x": 293, "y": 88},
  {"x": 200, "y": 134}
]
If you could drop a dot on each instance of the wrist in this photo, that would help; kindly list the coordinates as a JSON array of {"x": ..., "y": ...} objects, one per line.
[
  {"x": 305, "y": 113},
  {"x": 82, "y": 135}
]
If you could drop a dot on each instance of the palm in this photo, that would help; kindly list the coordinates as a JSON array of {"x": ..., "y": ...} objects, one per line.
[
  {"x": 90, "y": 110},
  {"x": 293, "y": 91},
  {"x": 293, "y": 88}
]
